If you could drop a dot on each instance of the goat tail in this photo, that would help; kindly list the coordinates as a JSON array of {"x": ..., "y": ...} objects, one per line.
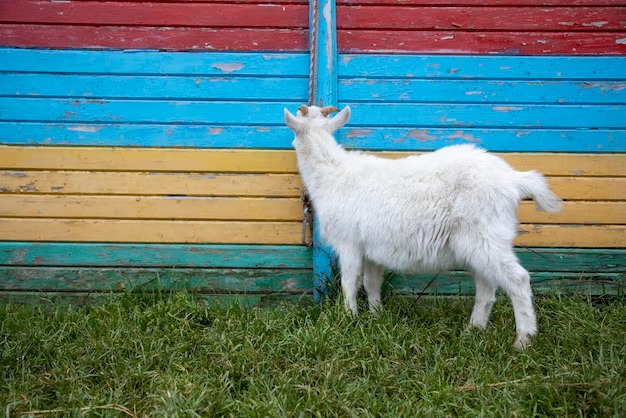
[{"x": 532, "y": 184}]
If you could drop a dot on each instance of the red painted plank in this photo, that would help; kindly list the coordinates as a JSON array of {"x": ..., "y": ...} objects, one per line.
[
  {"x": 448, "y": 42},
  {"x": 154, "y": 14},
  {"x": 482, "y": 2},
  {"x": 485, "y": 18},
  {"x": 176, "y": 39}
]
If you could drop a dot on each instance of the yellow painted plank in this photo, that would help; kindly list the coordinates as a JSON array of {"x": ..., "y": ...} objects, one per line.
[
  {"x": 575, "y": 213},
  {"x": 260, "y": 185},
  {"x": 239, "y": 232},
  {"x": 600, "y": 236},
  {"x": 82, "y": 230},
  {"x": 589, "y": 188},
  {"x": 261, "y": 161},
  {"x": 211, "y": 208},
  {"x": 149, "y": 207},
  {"x": 186, "y": 184}
]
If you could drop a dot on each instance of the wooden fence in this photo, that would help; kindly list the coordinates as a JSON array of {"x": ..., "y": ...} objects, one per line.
[{"x": 142, "y": 142}]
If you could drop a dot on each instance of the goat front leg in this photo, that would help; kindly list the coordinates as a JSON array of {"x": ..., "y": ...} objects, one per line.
[
  {"x": 351, "y": 262},
  {"x": 373, "y": 281}
]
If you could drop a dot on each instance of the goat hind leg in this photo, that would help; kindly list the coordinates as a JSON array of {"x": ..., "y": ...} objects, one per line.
[{"x": 483, "y": 302}]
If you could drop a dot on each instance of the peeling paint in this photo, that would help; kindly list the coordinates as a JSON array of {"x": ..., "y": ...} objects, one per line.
[
  {"x": 15, "y": 174},
  {"x": 356, "y": 133},
  {"x": 453, "y": 70},
  {"x": 346, "y": 59},
  {"x": 85, "y": 128},
  {"x": 519, "y": 134},
  {"x": 445, "y": 38},
  {"x": 421, "y": 135},
  {"x": 215, "y": 131},
  {"x": 472, "y": 93},
  {"x": 262, "y": 129},
  {"x": 466, "y": 137},
  {"x": 506, "y": 109},
  {"x": 329, "y": 19},
  {"x": 229, "y": 67},
  {"x": 566, "y": 23},
  {"x": 604, "y": 86},
  {"x": 621, "y": 41},
  {"x": 596, "y": 24}
]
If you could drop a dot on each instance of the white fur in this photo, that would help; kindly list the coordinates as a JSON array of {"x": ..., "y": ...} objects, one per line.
[{"x": 452, "y": 208}]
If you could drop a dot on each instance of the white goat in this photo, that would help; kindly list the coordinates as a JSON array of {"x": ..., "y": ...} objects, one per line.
[{"x": 455, "y": 207}]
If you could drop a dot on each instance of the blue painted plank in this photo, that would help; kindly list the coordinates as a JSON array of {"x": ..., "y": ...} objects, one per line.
[
  {"x": 500, "y": 140},
  {"x": 326, "y": 94},
  {"x": 481, "y": 91},
  {"x": 148, "y": 111},
  {"x": 279, "y": 137},
  {"x": 154, "y": 255},
  {"x": 491, "y": 67},
  {"x": 154, "y": 62},
  {"x": 156, "y": 87},
  {"x": 478, "y": 115},
  {"x": 271, "y": 113}
]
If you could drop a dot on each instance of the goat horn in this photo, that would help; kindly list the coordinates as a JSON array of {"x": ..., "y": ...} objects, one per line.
[
  {"x": 327, "y": 110},
  {"x": 304, "y": 110}
]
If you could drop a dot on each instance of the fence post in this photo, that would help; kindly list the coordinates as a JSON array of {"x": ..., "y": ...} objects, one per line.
[{"x": 323, "y": 38}]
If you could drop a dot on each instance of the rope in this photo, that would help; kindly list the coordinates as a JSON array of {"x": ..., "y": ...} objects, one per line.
[
  {"x": 314, "y": 48},
  {"x": 307, "y": 217}
]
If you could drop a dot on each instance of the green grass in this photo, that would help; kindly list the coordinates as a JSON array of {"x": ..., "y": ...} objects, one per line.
[{"x": 168, "y": 355}]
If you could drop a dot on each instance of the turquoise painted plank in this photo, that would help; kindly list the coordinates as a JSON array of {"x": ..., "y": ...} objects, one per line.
[
  {"x": 97, "y": 298},
  {"x": 280, "y": 137},
  {"x": 325, "y": 35},
  {"x": 492, "y": 67},
  {"x": 154, "y": 62},
  {"x": 154, "y": 87},
  {"x": 149, "y": 111},
  {"x": 261, "y": 256},
  {"x": 154, "y": 255},
  {"x": 478, "y": 115},
  {"x": 481, "y": 91},
  {"x": 363, "y": 114},
  {"x": 459, "y": 283},
  {"x": 115, "y": 279}
]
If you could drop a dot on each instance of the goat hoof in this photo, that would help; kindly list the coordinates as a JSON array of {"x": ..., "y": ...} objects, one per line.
[{"x": 521, "y": 343}]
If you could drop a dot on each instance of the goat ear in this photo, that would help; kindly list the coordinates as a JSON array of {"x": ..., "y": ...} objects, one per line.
[
  {"x": 339, "y": 120},
  {"x": 292, "y": 122}
]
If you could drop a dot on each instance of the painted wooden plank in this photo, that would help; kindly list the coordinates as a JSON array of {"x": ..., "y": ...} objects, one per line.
[
  {"x": 154, "y": 87},
  {"x": 494, "y": 139},
  {"x": 470, "y": 67},
  {"x": 116, "y": 279},
  {"x": 266, "y": 280},
  {"x": 177, "y": 255},
  {"x": 155, "y": 62},
  {"x": 575, "y": 213},
  {"x": 129, "y": 13},
  {"x": 155, "y": 207},
  {"x": 453, "y": 42},
  {"x": 476, "y": 115},
  {"x": 479, "y": 91},
  {"x": 261, "y": 256},
  {"x": 472, "y": 2},
  {"x": 97, "y": 298},
  {"x": 364, "y": 114},
  {"x": 586, "y": 236},
  {"x": 458, "y": 283},
  {"x": 474, "y": 18},
  {"x": 263, "y": 161},
  {"x": 248, "y": 209},
  {"x": 176, "y": 184},
  {"x": 237, "y": 185},
  {"x": 240, "y": 232},
  {"x": 141, "y": 37},
  {"x": 159, "y": 111},
  {"x": 218, "y": 232},
  {"x": 277, "y": 137}
]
